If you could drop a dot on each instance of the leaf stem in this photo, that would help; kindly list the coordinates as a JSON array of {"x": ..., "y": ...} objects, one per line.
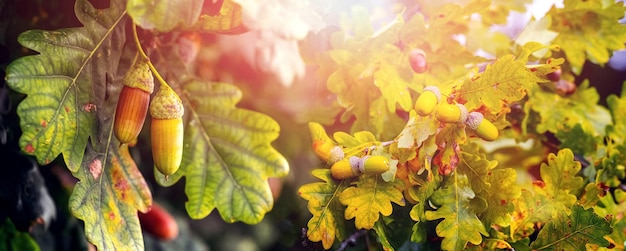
[{"x": 145, "y": 56}]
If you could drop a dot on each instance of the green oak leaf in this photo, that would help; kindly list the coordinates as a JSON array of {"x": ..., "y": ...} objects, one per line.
[
  {"x": 503, "y": 82},
  {"x": 227, "y": 155},
  {"x": 12, "y": 239},
  {"x": 588, "y": 30},
  {"x": 110, "y": 191},
  {"x": 323, "y": 197},
  {"x": 613, "y": 204},
  {"x": 478, "y": 33},
  {"x": 616, "y": 106},
  {"x": 529, "y": 209},
  {"x": 229, "y": 19},
  {"x": 354, "y": 146},
  {"x": 500, "y": 196},
  {"x": 560, "y": 113},
  {"x": 537, "y": 31},
  {"x": 164, "y": 15},
  {"x": 496, "y": 186},
  {"x": 363, "y": 70},
  {"x": 460, "y": 223},
  {"x": 370, "y": 198},
  {"x": 593, "y": 193},
  {"x": 560, "y": 177},
  {"x": 553, "y": 196},
  {"x": 448, "y": 140},
  {"x": 416, "y": 130},
  {"x": 573, "y": 232},
  {"x": 477, "y": 167},
  {"x": 420, "y": 195},
  {"x": 578, "y": 140},
  {"x": 393, "y": 87},
  {"x": 379, "y": 227},
  {"x": 609, "y": 170},
  {"x": 66, "y": 82}
]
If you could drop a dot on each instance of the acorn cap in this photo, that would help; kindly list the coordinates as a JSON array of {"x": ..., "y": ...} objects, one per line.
[
  {"x": 166, "y": 104},
  {"x": 435, "y": 90},
  {"x": 463, "y": 110},
  {"x": 336, "y": 154},
  {"x": 357, "y": 164},
  {"x": 482, "y": 127},
  {"x": 139, "y": 76},
  {"x": 474, "y": 119}
]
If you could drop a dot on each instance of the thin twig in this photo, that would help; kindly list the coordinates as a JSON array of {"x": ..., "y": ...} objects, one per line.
[
  {"x": 143, "y": 54},
  {"x": 351, "y": 240}
]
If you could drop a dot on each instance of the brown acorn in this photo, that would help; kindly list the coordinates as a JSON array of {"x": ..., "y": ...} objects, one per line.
[
  {"x": 133, "y": 101},
  {"x": 167, "y": 112}
]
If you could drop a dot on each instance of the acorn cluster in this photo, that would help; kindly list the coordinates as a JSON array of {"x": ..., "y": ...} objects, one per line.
[
  {"x": 429, "y": 101},
  {"x": 166, "y": 110},
  {"x": 344, "y": 168}
]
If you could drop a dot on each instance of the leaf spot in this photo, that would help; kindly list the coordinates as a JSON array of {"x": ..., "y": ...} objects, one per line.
[
  {"x": 95, "y": 168},
  {"x": 29, "y": 148},
  {"x": 89, "y": 106},
  {"x": 44, "y": 123}
]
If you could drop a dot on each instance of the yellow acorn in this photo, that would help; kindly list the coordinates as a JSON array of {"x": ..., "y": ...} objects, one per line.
[
  {"x": 451, "y": 113},
  {"x": 167, "y": 112},
  {"x": 428, "y": 100},
  {"x": 132, "y": 105},
  {"x": 374, "y": 164},
  {"x": 482, "y": 127},
  {"x": 353, "y": 166},
  {"x": 327, "y": 151},
  {"x": 345, "y": 168}
]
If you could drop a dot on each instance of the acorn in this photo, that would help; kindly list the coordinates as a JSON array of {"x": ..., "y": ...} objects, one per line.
[
  {"x": 345, "y": 168},
  {"x": 555, "y": 75},
  {"x": 354, "y": 166},
  {"x": 482, "y": 127},
  {"x": 159, "y": 223},
  {"x": 324, "y": 147},
  {"x": 417, "y": 59},
  {"x": 327, "y": 151},
  {"x": 428, "y": 100},
  {"x": 374, "y": 164},
  {"x": 451, "y": 113},
  {"x": 132, "y": 105},
  {"x": 167, "y": 112}
]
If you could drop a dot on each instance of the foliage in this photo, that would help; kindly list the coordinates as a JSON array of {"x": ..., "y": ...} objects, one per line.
[
  {"x": 231, "y": 155},
  {"x": 69, "y": 109},
  {"x": 563, "y": 233},
  {"x": 324, "y": 204},
  {"x": 594, "y": 23},
  {"x": 11, "y": 239},
  {"x": 472, "y": 200},
  {"x": 445, "y": 188}
]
